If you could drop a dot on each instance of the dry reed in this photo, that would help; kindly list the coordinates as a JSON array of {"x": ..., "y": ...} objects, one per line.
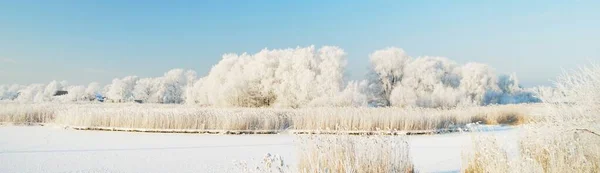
[{"x": 163, "y": 116}]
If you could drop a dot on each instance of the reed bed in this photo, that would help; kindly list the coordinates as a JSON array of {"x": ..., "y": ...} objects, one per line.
[
  {"x": 27, "y": 113},
  {"x": 190, "y": 117}
]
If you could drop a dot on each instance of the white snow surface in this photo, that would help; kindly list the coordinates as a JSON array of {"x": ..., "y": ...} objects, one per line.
[{"x": 53, "y": 149}]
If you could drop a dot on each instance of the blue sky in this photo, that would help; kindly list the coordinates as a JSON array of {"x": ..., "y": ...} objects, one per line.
[{"x": 85, "y": 41}]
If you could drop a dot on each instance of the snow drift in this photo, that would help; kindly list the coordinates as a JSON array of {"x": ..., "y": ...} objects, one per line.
[{"x": 301, "y": 77}]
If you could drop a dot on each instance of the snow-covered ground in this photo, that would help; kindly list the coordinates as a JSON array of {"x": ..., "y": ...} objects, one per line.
[{"x": 52, "y": 149}]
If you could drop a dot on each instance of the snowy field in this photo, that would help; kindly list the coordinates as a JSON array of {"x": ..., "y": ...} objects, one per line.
[{"x": 53, "y": 149}]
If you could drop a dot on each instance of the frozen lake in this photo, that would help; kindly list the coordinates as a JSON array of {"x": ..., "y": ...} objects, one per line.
[{"x": 52, "y": 149}]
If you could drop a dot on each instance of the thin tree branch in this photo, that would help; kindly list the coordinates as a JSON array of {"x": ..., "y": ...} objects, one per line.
[{"x": 589, "y": 131}]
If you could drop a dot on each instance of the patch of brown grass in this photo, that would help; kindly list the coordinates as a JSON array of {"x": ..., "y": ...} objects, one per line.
[
  {"x": 510, "y": 118},
  {"x": 481, "y": 119}
]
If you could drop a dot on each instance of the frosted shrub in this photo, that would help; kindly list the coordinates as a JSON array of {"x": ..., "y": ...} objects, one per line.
[{"x": 354, "y": 154}]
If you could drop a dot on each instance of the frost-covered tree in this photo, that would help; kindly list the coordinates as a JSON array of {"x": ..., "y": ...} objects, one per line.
[
  {"x": 550, "y": 94},
  {"x": 304, "y": 76},
  {"x": 92, "y": 90},
  {"x": 477, "y": 79},
  {"x": 354, "y": 95},
  {"x": 10, "y": 92},
  {"x": 510, "y": 92},
  {"x": 428, "y": 82},
  {"x": 439, "y": 82},
  {"x": 279, "y": 78},
  {"x": 51, "y": 90},
  {"x": 121, "y": 90},
  {"x": 387, "y": 67},
  {"x": 330, "y": 73},
  {"x": 145, "y": 90},
  {"x": 193, "y": 94},
  {"x": 31, "y": 93},
  {"x": 173, "y": 84},
  {"x": 76, "y": 94}
]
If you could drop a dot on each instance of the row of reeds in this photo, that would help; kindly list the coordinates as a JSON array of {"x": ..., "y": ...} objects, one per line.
[{"x": 160, "y": 116}]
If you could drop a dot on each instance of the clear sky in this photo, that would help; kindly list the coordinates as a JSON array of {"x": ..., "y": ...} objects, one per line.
[{"x": 85, "y": 41}]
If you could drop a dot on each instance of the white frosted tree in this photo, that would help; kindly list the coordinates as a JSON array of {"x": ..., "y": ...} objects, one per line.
[
  {"x": 50, "y": 90},
  {"x": 10, "y": 92},
  {"x": 425, "y": 77},
  {"x": 331, "y": 71},
  {"x": 173, "y": 84},
  {"x": 439, "y": 82},
  {"x": 352, "y": 96},
  {"x": 193, "y": 94},
  {"x": 121, "y": 90},
  {"x": 76, "y": 94},
  {"x": 92, "y": 90},
  {"x": 273, "y": 78},
  {"x": 145, "y": 89},
  {"x": 304, "y": 76},
  {"x": 4, "y": 94},
  {"x": 550, "y": 94},
  {"x": 509, "y": 83},
  {"x": 31, "y": 93},
  {"x": 477, "y": 79},
  {"x": 388, "y": 68}
]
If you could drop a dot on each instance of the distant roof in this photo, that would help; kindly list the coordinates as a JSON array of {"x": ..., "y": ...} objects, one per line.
[{"x": 60, "y": 93}]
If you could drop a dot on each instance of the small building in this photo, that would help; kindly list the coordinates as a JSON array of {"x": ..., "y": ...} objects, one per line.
[{"x": 60, "y": 93}]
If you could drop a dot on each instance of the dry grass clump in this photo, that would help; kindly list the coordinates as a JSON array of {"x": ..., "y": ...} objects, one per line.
[
  {"x": 486, "y": 153},
  {"x": 354, "y": 154},
  {"x": 511, "y": 117},
  {"x": 506, "y": 115}
]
